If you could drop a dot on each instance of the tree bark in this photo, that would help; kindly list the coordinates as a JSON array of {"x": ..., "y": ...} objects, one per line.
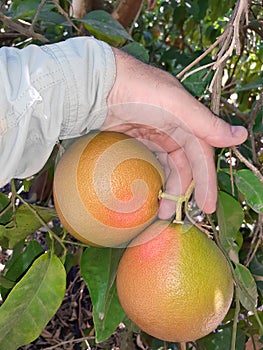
[
  {"x": 97, "y": 4},
  {"x": 126, "y": 10},
  {"x": 81, "y": 7}
]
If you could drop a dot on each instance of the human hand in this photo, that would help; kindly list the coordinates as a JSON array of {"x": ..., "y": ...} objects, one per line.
[{"x": 151, "y": 105}]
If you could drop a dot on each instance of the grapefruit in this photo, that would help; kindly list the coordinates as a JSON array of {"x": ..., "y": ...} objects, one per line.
[
  {"x": 106, "y": 188},
  {"x": 174, "y": 282}
]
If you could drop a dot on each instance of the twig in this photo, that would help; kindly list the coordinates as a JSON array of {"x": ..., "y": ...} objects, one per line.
[
  {"x": 251, "y": 123},
  {"x": 231, "y": 32},
  {"x": 256, "y": 109},
  {"x": 28, "y": 32},
  {"x": 64, "y": 13},
  {"x": 216, "y": 91},
  {"x": 219, "y": 244},
  {"x": 231, "y": 173},
  {"x": 196, "y": 70},
  {"x": 257, "y": 235},
  {"x": 72, "y": 341},
  {"x": 199, "y": 227},
  {"x": 248, "y": 164},
  {"x": 136, "y": 17},
  {"x": 240, "y": 9},
  {"x": 235, "y": 319},
  {"x": 40, "y": 6},
  {"x": 4, "y": 36},
  {"x": 35, "y": 212},
  {"x": 241, "y": 115},
  {"x": 199, "y": 58}
]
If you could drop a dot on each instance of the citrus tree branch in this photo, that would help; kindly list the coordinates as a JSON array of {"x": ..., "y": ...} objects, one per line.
[
  {"x": 135, "y": 18},
  {"x": 80, "y": 8},
  {"x": 248, "y": 164},
  {"x": 250, "y": 127},
  {"x": 199, "y": 58},
  {"x": 232, "y": 38},
  {"x": 241, "y": 115},
  {"x": 235, "y": 320},
  {"x": 217, "y": 87},
  {"x": 22, "y": 29},
  {"x": 126, "y": 10},
  {"x": 64, "y": 13},
  {"x": 71, "y": 341},
  {"x": 229, "y": 40},
  {"x": 256, "y": 240},
  {"x": 40, "y": 6}
]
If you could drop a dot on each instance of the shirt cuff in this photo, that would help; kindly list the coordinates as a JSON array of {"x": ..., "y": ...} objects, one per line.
[
  {"x": 52, "y": 92},
  {"x": 88, "y": 84}
]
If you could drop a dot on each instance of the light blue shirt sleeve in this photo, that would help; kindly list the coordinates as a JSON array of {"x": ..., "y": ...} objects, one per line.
[{"x": 50, "y": 92}]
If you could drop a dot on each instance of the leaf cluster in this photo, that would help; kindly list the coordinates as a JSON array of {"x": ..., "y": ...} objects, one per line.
[{"x": 38, "y": 251}]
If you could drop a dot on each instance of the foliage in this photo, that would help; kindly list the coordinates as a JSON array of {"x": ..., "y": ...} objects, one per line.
[{"x": 170, "y": 35}]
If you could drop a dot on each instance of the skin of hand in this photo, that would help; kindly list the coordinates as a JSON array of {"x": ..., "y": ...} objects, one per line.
[{"x": 152, "y": 106}]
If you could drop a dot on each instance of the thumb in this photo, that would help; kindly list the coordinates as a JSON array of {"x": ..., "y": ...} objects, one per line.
[
  {"x": 221, "y": 134},
  {"x": 197, "y": 119}
]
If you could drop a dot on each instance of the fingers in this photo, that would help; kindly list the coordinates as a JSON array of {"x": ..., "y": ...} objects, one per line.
[
  {"x": 198, "y": 120},
  {"x": 179, "y": 175},
  {"x": 201, "y": 157},
  {"x": 195, "y": 160}
]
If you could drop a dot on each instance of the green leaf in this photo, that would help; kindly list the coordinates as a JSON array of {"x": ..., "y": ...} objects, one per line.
[
  {"x": 26, "y": 223},
  {"x": 247, "y": 287},
  {"x": 5, "y": 283},
  {"x": 174, "y": 53},
  {"x": 224, "y": 182},
  {"x": 27, "y": 8},
  {"x": 180, "y": 15},
  {"x": 98, "y": 269},
  {"x": 104, "y": 27},
  {"x": 219, "y": 8},
  {"x": 253, "y": 85},
  {"x": 203, "y": 5},
  {"x": 197, "y": 82},
  {"x": 256, "y": 268},
  {"x": 193, "y": 9},
  {"x": 256, "y": 265},
  {"x": 137, "y": 50},
  {"x": 5, "y": 211},
  {"x": 17, "y": 265},
  {"x": 258, "y": 125},
  {"x": 50, "y": 16},
  {"x": 251, "y": 187},
  {"x": 221, "y": 340},
  {"x": 32, "y": 302},
  {"x": 230, "y": 217},
  {"x": 22, "y": 262}
]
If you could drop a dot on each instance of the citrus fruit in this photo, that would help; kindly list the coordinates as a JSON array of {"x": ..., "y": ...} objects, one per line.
[
  {"x": 106, "y": 188},
  {"x": 174, "y": 282}
]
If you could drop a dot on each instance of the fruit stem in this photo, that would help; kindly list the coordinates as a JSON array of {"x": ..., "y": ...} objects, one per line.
[
  {"x": 171, "y": 197},
  {"x": 179, "y": 200},
  {"x": 188, "y": 194}
]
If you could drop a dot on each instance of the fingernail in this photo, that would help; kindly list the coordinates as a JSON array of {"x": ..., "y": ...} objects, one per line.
[{"x": 239, "y": 132}]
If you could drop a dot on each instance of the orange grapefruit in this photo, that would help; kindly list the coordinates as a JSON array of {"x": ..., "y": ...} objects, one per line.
[
  {"x": 106, "y": 188},
  {"x": 174, "y": 282}
]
